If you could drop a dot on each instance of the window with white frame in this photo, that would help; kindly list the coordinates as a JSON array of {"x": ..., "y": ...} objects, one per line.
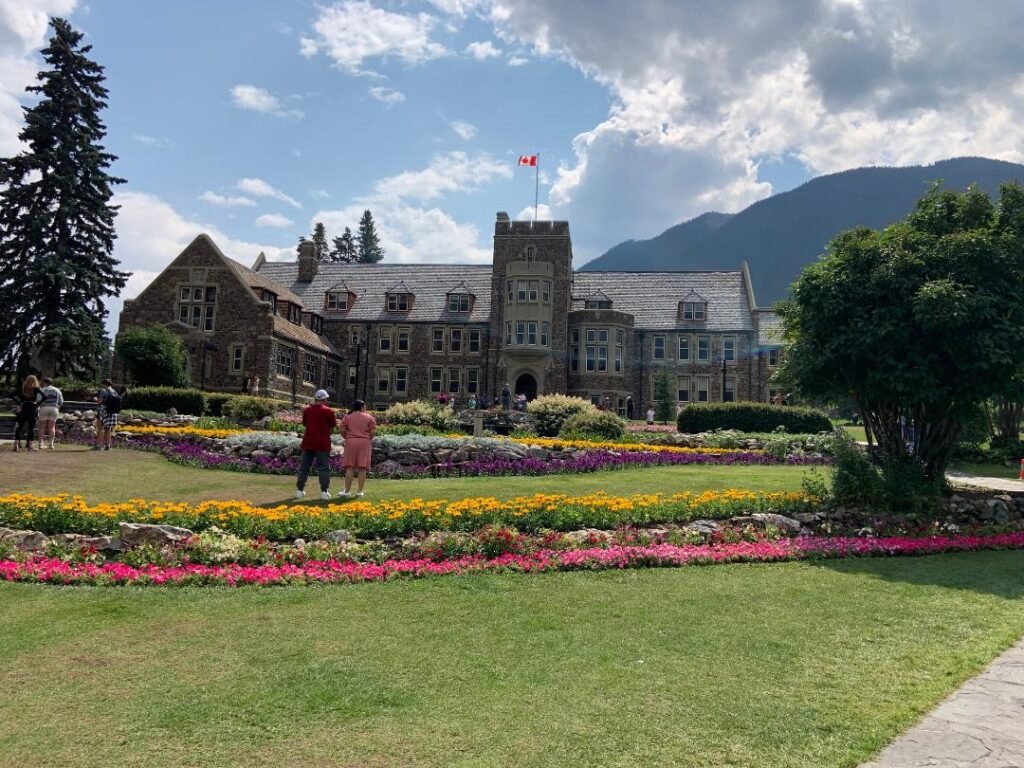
[
  {"x": 522, "y": 287},
  {"x": 384, "y": 339},
  {"x": 352, "y": 376},
  {"x": 511, "y": 291},
  {"x": 454, "y": 380},
  {"x": 545, "y": 332},
  {"x": 683, "y": 389},
  {"x": 531, "y": 333},
  {"x": 694, "y": 310},
  {"x": 474, "y": 341},
  {"x": 399, "y": 302},
  {"x": 534, "y": 291},
  {"x": 383, "y": 380},
  {"x": 436, "y": 376},
  {"x": 455, "y": 340},
  {"x": 459, "y": 302},
  {"x": 337, "y": 300},
  {"x": 437, "y": 340},
  {"x": 401, "y": 381},
  {"x": 520, "y": 332},
  {"x": 295, "y": 314},
  {"x": 659, "y": 348},
  {"x": 574, "y": 350},
  {"x": 684, "y": 349},
  {"x": 703, "y": 348},
  {"x": 508, "y": 334},
  {"x": 353, "y": 335},
  {"x": 197, "y": 306},
  {"x": 237, "y": 358},
  {"x": 702, "y": 389},
  {"x": 545, "y": 292},
  {"x": 729, "y": 348},
  {"x": 729, "y": 393},
  {"x": 403, "y": 340},
  {"x": 472, "y": 381},
  {"x": 773, "y": 356},
  {"x": 620, "y": 338},
  {"x": 310, "y": 368},
  {"x": 284, "y": 360}
]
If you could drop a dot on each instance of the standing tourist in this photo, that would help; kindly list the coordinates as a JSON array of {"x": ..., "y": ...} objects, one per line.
[
  {"x": 629, "y": 408},
  {"x": 506, "y": 397},
  {"x": 28, "y": 404},
  {"x": 472, "y": 403},
  {"x": 650, "y": 414},
  {"x": 49, "y": 409},
  {"x": 110, "y": 407},
  {"x": 358, "y": 428},
  {"x": 319, "y": 421}
]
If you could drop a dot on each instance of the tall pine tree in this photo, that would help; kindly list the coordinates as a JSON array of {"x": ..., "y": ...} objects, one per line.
[
  {"x": 320, "y": 248},
  {"x": 368, "y": 250},
  {"x": 56, "y": 221},
  {"x": 344, "y": 250}
]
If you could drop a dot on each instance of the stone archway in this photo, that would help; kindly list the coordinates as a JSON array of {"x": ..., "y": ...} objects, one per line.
[{"x": 526, "y": 384}]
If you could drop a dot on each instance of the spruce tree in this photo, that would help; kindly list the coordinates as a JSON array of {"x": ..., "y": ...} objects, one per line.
[
  {"x": 367, "y": 242},
  {"x": 344, "y": 250},
  {"x": 319, "y": 238},
  {"x": 56, "y": 222}
]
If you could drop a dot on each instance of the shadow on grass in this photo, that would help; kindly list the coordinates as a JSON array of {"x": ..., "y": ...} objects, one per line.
[{"x": 999, "y": 573}]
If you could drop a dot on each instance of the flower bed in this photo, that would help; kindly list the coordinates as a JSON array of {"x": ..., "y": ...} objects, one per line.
[
  {"x": 67, "y": 514},
  {"x": 56, "y": 571}
]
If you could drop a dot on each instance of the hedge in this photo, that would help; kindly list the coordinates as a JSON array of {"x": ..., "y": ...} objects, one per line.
[
  {"x": 162, "y": 399},
  {"x": 752, "y": 417},
  {"x": 215, "y": 402}
]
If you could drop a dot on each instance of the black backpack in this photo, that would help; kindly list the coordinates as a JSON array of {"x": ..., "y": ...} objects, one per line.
[{"x": 113, "y": 402}]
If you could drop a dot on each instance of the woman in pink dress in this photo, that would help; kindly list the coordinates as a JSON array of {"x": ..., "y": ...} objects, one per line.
[{"x": 358, "y": 428}]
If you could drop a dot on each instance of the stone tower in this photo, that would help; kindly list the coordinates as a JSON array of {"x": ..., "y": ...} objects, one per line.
[{"x": 531, "y": 288}]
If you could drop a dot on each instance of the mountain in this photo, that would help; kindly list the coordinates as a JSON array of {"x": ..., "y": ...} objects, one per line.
[{"x": 780, "y": 235}]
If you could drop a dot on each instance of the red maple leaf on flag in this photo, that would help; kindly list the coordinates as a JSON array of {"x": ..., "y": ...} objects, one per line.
[{"x": 528, "y": 160}]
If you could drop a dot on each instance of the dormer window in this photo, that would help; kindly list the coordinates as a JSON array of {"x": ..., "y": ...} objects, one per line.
[
  {"x": 336, "y": 300},
  {"x": 271, "y": 297},
  {"x": 295, "y": 314},
  {"x": 399, "y": 302},
  {"x": 598, "y": 301},
  {"x": 694, "y": 310},
  {"x": 459, "y": 302},
  {"x": 316, "y": 324}
]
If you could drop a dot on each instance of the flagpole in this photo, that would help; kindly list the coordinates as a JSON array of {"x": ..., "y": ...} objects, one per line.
[{"x": 536, "y": 188}]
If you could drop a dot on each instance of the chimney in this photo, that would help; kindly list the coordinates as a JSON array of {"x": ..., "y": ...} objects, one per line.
[{"x": 307, "y": 262}]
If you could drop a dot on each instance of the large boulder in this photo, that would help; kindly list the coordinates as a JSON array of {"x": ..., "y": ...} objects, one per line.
[
  {"x": 27, "y": 541},
  {"x": 134, "y": 534}
]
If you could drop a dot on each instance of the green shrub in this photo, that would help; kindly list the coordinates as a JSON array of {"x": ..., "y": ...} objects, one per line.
[
  {"x": 152, "y": 355},
  {"x": 215, "y": 402},
  {"x": 752, "y": 417},
  {"x": 76, "y": 389},
  {"x": 551, "y": 411},
  {"x": 855, "y": 480},
  {"x": 407, "y": 429},
  {"x": 248, "y": 408},
  {"x": 162, "y": 399},
  {"x": 600, "y": 425},
  {"x": 424, "y": 413}
]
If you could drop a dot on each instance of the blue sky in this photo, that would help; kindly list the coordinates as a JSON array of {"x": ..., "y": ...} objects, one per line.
[{"x": 251, "y": 120}]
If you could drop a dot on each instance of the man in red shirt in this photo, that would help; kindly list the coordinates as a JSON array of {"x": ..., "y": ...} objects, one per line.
[{"x": 320, "y": 422}]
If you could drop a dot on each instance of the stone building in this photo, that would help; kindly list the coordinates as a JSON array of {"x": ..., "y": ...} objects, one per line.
[{"x": 389, "y": 332}]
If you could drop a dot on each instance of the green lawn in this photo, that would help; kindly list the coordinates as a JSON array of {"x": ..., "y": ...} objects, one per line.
[
  {"x": 121, "y": 474},
  {"x": 782, "y": 665}
]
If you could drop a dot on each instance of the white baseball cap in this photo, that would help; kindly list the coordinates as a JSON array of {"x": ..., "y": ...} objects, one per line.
[{"x": 320, "y": 394}]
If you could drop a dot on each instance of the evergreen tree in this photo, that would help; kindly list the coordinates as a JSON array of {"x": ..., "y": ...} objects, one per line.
[
  {"x": 56, "y": 221},
  {"x": 320, "y": 247},
  {"x": 664, "y": 401},
  {"x": 344, "y": 251},
  {"x": 302, "y": 239},
  {"x": 368, "y": 250}
]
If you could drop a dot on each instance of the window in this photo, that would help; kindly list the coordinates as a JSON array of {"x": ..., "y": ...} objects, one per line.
[
  {"x": 437, "y": 340},
  {"x": 533, "y": 290},
  {"x": 602, "y": 336},
  {"x": 683, "y": 394},
  {"x": 474, "y": 340},
  {"x": 591, "y": 357},
  {"x": 472, "y": 381},
  {"x": 383, "y": 380},
  {"x": 545, "y": 294},
  {"x": 337, "y": 300},
  {"x": 309, "y": 369},
  {"x": 458, "y": 302},
  {"x": 455, "y": 340},
  {"x": 574, "y": 358},
  {"x": 435, "y": 379},
  {"x": 520, "y": 332},
  {"x": 197, "y": 313},
  {"x": 694, "y": 310},
  {"x": 331, "y": 376},
  {"x": 316, "y": 324},
  {"x": 599, "y": 304},
  {"x": 401, "y": 381},
  {"x": 197, "y": 293},
  {"x": 211, "y": 294},
  {"x": 511, "y": 291},
  {"x": 703, "y": 348},
  {"x": 403, "y": 340},
  {"x": 183, "y": 313},
  {"x": 702, "y": 389},
  {"x": 659, "y": 347},
  {"x": 773, "y": 356},
  {"x": 271, "y": 297},
  {"x": 237, "y": 358},
  {"x": 399, "y": 302},
  {"x": 591, "y": 336},
  {"x": 531, "y": 252},
  {"x": 295, "y": 314},
  {"x": 353, "y": 335},
  {"x": 208, "y": 312},
  {"x": 618, "y": 358},
  {"x": 521, "y": 289},
  {"x": 186, "y": 293},
  {"x": 284, "y": 362},
  {"x": 531, "y": 336},
  {"x": 352, "y": 376},
  {"x": 384, "y": 340},
  {"x": 602, "y": 358},
  {"x": 545, "y": 332},
  {"x": 729, "y": 393},
  {"x": 508, "y": 334},
  {"x": 197, "y": 306},
  {"x": 454, "y": 379},
  {"x": 684, "y": 349},
  {"x": 729, "y": 348}
]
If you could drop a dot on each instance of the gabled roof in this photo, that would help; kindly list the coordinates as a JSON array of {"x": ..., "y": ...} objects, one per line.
[
  {"x": 339, "y": 287},
  {"x": 429, "y": 282},
  {"x": 598, "y": 295},
  {"x": 461, "y": 288},
  {"x": 301, "y": 334},
  {"x": 256, "y": 280},
  {"x": 400, "y": 287},
  {"x": 693, "y": 296},
  {"x": 653, "y": 297}
]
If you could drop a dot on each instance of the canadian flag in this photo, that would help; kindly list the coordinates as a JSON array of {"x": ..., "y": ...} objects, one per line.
[{"x": 527, "y": 160}]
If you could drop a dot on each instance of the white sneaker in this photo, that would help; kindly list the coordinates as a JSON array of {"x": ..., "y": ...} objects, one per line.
[
  {"x": 299, "y": 494},
  {"x": 360, "y": 494},
  {"x": 343, "y": 494},
  {"x": 325, "y": 495}
]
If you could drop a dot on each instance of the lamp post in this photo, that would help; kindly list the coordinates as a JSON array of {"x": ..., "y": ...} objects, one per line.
[
  {"x": 206, "y": 347},
  {"x": 723, "y": 377}
]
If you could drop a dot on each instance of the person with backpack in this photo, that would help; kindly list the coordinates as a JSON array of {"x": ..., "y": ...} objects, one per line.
[
  {"x": 110, "y": 408},
  {"x": 50, "y": 402}
]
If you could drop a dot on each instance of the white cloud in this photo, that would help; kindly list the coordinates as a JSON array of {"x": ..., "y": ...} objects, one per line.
[
  {"x": 352, "y": 32},
  {"x": 225, "y": 201},
  {"x": 151, "y": 141},
  {"x": 451, "y": 172},
  {"x": 260, "y": 188},
  {"x": 517, "y": 61},
  {"x": 321, "y": 193},
  {"x": 258, "y": 99},
  {"x": 386, "y": 95},
  {"x": 150, "y": 233},
  {"x": 483, "y": 50},
  {"x": 273, "y": 220},
  {"x": 527, "y": 213},
  {"x": 459, "y": 8},
  {"x": 463, "y": 130}
]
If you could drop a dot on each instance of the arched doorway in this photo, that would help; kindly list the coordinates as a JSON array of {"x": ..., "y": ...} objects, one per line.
[{"x": 526, "y": 384}]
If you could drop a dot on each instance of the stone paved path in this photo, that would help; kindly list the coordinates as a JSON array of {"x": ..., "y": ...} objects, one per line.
[
  {"x": 995, "y": 483},
  {"x": 979, "y": 726}
]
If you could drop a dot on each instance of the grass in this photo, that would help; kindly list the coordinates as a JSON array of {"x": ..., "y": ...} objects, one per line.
[
  {"x": 121, "y": 474},
  {"x": 986, "y": 470},
  {"x": 787, "y": 665}
]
